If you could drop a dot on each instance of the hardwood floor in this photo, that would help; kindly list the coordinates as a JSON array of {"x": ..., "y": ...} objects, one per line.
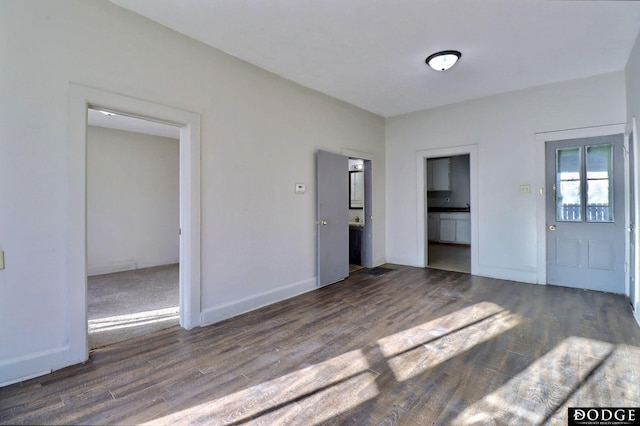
[{"x": 412, "y": 347}]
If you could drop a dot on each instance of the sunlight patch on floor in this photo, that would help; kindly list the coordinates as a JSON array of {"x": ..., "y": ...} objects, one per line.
[
  {"x": 133, "y": 320},
  {"x": 409, "y": 339},
  {"x": 543, "y": 387},
  {"x": 328, "y": 389},
  {"x": 436, "y": 351}
]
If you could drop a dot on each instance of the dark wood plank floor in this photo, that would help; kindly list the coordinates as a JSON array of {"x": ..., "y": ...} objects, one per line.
[{"x": 412, "y": 347}]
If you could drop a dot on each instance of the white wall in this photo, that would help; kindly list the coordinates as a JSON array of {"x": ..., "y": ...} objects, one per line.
[
  {"x": 259, "y": 134},
  {"x": 503, "y": 128},
  {"x": 132, "y": 200},
  {"x": 632, "y": 79}
]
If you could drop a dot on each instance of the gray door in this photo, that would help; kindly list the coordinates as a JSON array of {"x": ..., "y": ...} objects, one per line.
[
  {"x": 332, "y": 180},
  {"x": 585, "y": 213}
]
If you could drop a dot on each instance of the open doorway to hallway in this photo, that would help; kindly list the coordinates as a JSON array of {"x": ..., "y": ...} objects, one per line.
[{"x": 133, "y": 221}]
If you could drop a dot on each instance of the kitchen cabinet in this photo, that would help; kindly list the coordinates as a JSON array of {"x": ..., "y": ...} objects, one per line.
[
  {"x": 433, "y": 226},
  {"x": 439, "y": 174},
  {"x": 449, "y": 227},
  {"x": 463, "y": 231},
  {"x": 355, "y": 245}
]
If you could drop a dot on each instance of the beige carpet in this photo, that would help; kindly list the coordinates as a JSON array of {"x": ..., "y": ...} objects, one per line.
[{"x": 129, "y": 304}]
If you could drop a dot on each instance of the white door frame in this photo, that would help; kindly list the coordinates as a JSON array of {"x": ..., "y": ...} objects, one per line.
[
  {"x": 632, "y": 129},
  {"x": 422, "y": 256},
  {"x": 541, "y": 218},
  {"x": 80, "y": 98}
]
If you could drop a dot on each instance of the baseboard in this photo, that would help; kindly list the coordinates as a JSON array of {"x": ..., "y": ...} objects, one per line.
[
  {"x": 380, "y": 261},
  {"x": 109, "y": 268},
  {"x": 22, "y": 368},
  {"x": 403, "y": 261},
  {"x": 247, "y": 304},
  {"x": 529, "y": 276}
]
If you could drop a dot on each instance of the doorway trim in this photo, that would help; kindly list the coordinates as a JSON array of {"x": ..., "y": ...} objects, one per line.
[
  {"x": 635, "y": 162},
  {"x": 80, "y": 98},
  {"x": 541, "y": 141},
  {"x": 422, "y": 255}
]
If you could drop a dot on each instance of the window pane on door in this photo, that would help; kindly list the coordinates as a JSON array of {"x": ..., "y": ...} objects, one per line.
[
  {"x": 599, "y": 183},
  {"x": 568, "y": 185}
]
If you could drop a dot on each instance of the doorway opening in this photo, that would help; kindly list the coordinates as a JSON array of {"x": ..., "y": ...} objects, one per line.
[
  {"x": 448, "y": 206},
  {"x": 357, "y": 216},
  {"x": 467, "y": 229},
  {"x": 81, "y": 98},
  {"x": 132, "y": 227}
]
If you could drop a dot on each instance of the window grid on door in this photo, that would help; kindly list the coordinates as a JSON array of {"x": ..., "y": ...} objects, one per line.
[{"x": 584, "y": 183}]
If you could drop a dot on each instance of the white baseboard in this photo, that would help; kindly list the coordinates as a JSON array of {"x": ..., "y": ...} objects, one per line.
[
  {"x": 403, "y": 261},
  {"x": 22, "y": 368},
  {"x": 237, "y": 307},
  {"x": 529, "y": 276},
  {"x": 380, "y": 261},
  {"x": 108, "y": 268}
]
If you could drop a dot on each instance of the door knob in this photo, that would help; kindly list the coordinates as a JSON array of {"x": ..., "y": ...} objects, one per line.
[
  {"x": 324, "y": 222},
  {"x": 552, "y": 228}
]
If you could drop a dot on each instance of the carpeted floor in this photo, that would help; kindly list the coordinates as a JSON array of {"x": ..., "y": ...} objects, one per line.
[{"x": 129, "y": 304}]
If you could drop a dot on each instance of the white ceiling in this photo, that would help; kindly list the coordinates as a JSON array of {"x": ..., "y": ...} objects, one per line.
[{"x": 371, "y": 53}]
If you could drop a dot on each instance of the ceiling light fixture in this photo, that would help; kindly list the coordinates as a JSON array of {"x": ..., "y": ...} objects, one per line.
[{"x": 444, "y": 60}]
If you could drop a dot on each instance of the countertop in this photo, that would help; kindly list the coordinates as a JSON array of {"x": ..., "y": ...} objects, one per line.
[{"x": 449, "y": 209}]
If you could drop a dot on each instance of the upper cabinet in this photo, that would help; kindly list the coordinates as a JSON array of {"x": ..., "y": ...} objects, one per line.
[{"x": 439, "y": 174}]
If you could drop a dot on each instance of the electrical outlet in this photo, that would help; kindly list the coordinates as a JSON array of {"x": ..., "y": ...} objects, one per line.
[
  {"x": 525, "y": 189},
  {"x": 300, "y": 188}
]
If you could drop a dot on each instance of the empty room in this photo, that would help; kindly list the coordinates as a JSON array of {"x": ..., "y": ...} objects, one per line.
[{"x": 325, "y": 158}]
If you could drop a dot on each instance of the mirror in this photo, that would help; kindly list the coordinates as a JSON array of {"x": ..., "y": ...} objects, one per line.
[{"x": 356, "y": 190}]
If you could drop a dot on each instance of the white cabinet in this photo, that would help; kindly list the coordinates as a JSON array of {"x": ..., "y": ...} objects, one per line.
[
  {"x": 451, "y": 227},
  {"x": 439, "y": 174},
  {"x": 463, "y": 231},
  {"x": 447, "y": 229}
]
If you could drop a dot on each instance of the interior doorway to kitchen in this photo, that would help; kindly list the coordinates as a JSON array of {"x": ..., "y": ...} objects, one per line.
[{"x": 448, "y": 206}]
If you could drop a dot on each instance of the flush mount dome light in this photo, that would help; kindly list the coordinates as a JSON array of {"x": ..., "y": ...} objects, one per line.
[{"x": 444, "y": 60}]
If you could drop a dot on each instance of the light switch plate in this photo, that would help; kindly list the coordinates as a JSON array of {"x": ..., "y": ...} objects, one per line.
[
  {"x": 1, "y": 259},
  {"x": 301, "y": 188},
  {"x": 525, "y": 189}
]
